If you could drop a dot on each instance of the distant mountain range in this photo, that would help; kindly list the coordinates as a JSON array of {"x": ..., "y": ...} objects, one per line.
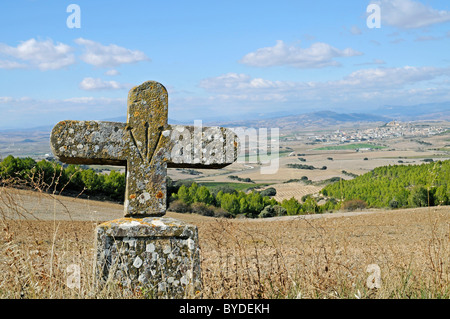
[
  {"x": 420, "y": 112},
  {"x": 314, "y": 119},
  {"x": 285, "y": 121},
  {"x": 321, "y": 118},
  {"x": 429, "y": 111}
]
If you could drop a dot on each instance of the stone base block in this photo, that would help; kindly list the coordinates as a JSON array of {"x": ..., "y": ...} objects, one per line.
[{"x": 157, "y": 254}]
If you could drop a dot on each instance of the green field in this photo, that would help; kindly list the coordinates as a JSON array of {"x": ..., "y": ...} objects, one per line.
[
  {"x": 349, "y": 147},
  {"x": 236, "y": 186},
  {"x": 262, "y": 158}
]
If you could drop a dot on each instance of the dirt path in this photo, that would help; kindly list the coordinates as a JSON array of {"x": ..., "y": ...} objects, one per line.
[{"x": 24, "y": 204}]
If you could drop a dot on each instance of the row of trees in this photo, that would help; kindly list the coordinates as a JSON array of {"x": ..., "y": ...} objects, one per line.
[
  {"x": 76, "y": 179},
  {"x": 389, "y": 186},
  {"x": 397, "y": 186},
  {"x": 231, "y": 201},
  {"x": 51, "y": 176},
  {"x": 253, "y": 204}
]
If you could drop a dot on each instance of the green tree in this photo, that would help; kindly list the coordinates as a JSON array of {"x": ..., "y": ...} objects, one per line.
[
  {"x": 15, "y": 167},
  {"x": 203, "y": 195},
  {"x": 192, "y": 191},
  {"x": 292, "y": 206},
  {"x": 73, "y": 173},
  {"x": 183, "y": 194},
  {"x": 243, "y": 205},
  {"x": 45, "y": 172},
  {"x": 442, "y": 195},
  {"x": 418, "y": 197},
  {"x": 114, "y": 185},
  {"x": 91, "y": 180},
  {"x": 310, "y": 206},
  {"x": 255, "y": 203},
  {"x": 230, "y": 203}
]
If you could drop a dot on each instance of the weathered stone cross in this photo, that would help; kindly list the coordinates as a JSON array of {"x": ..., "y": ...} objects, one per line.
[{"x": 146, "y": 145}]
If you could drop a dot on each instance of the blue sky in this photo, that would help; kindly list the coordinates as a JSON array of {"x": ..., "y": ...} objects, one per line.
[{"x": 229, "y": 59}]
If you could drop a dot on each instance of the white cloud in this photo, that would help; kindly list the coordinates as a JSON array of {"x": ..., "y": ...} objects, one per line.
[
  {"x": 234, "y": 81},
  {"x": 22, "y": 112},
  {"x": 409, "y": 14},
  {"x": 89, "y": 100},
  {"x": 8, "y": 65},
  {"x": 47, "y": 55},
  {"x": 424, "y": 38},
  {"x": 44, "y": 55},
  {"x": 5, "y": 99},
  {"x": 91, "y": 84},
  {"x": 373, "y": 62},
  {"x": 384, "y": 78},
  {"x": 359, "y": 85},
  {"x": 318, "y": 55},
  {"x": 355, "y": 30},
  {"x": 111, "y": 55},
  {"x": 112, "y": 72}
]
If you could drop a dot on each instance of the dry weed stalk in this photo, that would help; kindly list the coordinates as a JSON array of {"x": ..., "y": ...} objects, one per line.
[
  {"x": 243, "y": 263},
  {"x": 240, "y": 259}
]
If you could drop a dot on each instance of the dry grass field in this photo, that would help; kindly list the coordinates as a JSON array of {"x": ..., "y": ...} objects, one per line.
[
  {"x": 316, "y": 256},
  {"x": 313, "y": 256}
]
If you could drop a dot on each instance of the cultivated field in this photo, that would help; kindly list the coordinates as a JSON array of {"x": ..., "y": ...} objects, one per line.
[
  {"x": 317, "y": 256},
  {"x": 396, "y": 151}
]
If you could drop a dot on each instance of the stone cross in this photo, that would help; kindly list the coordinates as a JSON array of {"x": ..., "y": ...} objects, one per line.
[{"x": 147, "y": 145}]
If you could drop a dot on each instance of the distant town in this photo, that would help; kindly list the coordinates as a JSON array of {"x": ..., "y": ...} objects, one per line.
[{"x": 390, "y": 130}]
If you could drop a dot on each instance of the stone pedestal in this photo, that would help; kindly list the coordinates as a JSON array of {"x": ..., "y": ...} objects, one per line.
[{"x": 159, "y": 255}]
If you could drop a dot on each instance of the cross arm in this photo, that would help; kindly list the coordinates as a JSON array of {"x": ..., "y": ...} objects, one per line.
[
  {"x": 112, "y": 143},
  {"x": 90, "y": 142}
]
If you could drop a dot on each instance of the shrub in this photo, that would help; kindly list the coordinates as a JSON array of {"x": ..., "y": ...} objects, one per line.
[
  {"x": 301, "y": 166},
  {"x": 178, "y": 206},
  {"x": 330, "y": 205},
  {"x": 354, "y": 204},
  {"x": 305, "y": 197},
  {"x": 394, "y": 204},
  {"x": 267, "y": 212},
  {"x": 221, "y": 213},
  {"x": 279, "y": 211},
  {"x": 269, "y": 192},
  {"x": 202, "y": 209}
]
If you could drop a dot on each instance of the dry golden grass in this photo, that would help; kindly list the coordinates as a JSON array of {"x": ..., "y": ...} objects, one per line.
[
  {"x": 292, "y": 257},
  {"x": 328, "y": 257}
]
